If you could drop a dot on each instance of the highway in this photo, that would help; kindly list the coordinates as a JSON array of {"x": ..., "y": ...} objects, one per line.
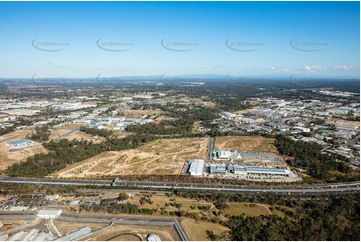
[{"x": 319, "y": 189}]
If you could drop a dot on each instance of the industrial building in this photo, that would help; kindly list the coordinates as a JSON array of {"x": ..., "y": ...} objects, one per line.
[
  {"x": 196, "y": 167},
  {"x": 76, "y": 234},
  {"x": 52, "y": 197},
  {"x": 153, "y": 237},
  {"x": 20, "y": 144},
  {"x": 82, "y": 121},
  {"x": 217, "y": 170},
  {"x": 49, "y": 214},
  {"x": 239, "y": 170},
  {"x": 301, "y": 129},
  {"x": 226, "y": 155},
  {"x": 31, "y": 235}
]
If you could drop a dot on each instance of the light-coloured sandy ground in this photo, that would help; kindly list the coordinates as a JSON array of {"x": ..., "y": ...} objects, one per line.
[
  {"x": 8, "y": 158},
  {"x": 164, "y": 156},
  {"x": 73, "y": 126},
  {"x": 344, "y": 122},
  {"x": 131, "y": 233},
  {"x": 139, "y": 113},
  {"x": 66, "y": 226},
  {"x": 71, "y": 134},
  {"x": 196, "y": 230},
  {"x": 246, "y": 143}
]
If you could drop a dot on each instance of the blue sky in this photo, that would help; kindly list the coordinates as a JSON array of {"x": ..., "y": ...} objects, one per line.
[{"x": 77, "y": 39}]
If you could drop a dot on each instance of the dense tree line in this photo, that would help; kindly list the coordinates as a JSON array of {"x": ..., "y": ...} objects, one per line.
[
  {"x": 6, "y": 130},
  {"x": 327, "y": 217},
  {"x": 184, "y": 118},
  {"x": 309, "y": 156},
  {"x": 334, "y": 218},
  {"x": 96, "y": 132},
  {"x": 41, "y": 134},
  {"x": 112, "y": 206}
]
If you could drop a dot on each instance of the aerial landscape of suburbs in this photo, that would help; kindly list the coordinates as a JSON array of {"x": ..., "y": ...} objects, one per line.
[{"x": 100, "y": 141}]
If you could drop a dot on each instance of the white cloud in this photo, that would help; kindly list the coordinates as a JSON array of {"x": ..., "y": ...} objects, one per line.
[
  {"x": 211, "y": 67},
  {"x": 315, "y": 68},
  {"x": 345, "y": 68},
  {"x": 281, "y": 70}
]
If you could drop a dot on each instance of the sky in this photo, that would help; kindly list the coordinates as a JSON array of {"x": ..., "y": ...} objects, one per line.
[{"x": 88, "y": 39}]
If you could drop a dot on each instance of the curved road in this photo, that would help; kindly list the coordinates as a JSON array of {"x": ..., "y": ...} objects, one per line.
[{"x": 349, "y": 187}]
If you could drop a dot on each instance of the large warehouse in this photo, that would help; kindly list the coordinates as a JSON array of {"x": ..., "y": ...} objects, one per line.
[
  {"x": 217, "y": 170},
  {"x": 196, "y": 167},
  {"x": 20, "y": 144},
  {"x": 240, "y": 170}
]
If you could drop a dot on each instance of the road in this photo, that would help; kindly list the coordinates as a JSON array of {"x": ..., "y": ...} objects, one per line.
[
  {"x": 71, "y": 216},
  {"x": 319, "y": 189},
  {"x": 209, "y": 149}
]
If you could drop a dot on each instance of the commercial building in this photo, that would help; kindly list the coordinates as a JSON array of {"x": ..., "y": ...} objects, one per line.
[
  {"x": 196, "y": 167},
  {"x": 20, "y": 144}
]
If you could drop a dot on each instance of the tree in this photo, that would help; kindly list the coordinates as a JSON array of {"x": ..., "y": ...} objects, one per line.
[{"x": 122, "y": 196}]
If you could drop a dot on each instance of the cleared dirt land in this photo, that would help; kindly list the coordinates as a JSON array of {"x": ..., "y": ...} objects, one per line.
[
  {"x": 343, "y": 122},
  {"x": 164, "y": 156},
  {"x": 71, "y": 134},
  {"x": 139, "y": 113},
  {"x": 8, "y": 158},
  {"x": 246, "y": 143}
]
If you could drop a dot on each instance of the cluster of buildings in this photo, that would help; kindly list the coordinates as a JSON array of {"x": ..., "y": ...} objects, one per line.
[
  {"x": 76, "y": 235},
  {"x": 319, "y": 121},
  {"x": 226, "y": 155},
  {"x": 224, "y": 170},
  {"x": 197, "y": 167},
  {"x": 29, "y": 235}
]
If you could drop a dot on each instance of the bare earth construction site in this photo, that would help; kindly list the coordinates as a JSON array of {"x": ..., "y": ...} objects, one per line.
[{"x": 163, "y": 156}]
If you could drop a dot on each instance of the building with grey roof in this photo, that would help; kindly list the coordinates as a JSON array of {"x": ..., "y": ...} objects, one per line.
[
  {"x": 217, "y": 170},
  {"x": 76, "y": 234},
  {"x": 268, "y": 171}
]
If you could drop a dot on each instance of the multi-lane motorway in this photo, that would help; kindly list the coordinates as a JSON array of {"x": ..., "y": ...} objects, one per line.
[{"x": 319, "y": 189}]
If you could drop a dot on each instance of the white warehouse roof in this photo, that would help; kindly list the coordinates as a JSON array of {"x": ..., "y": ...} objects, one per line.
[
  {"x": 46, "y": 213},
  {"x": 196, "y": 167}
]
